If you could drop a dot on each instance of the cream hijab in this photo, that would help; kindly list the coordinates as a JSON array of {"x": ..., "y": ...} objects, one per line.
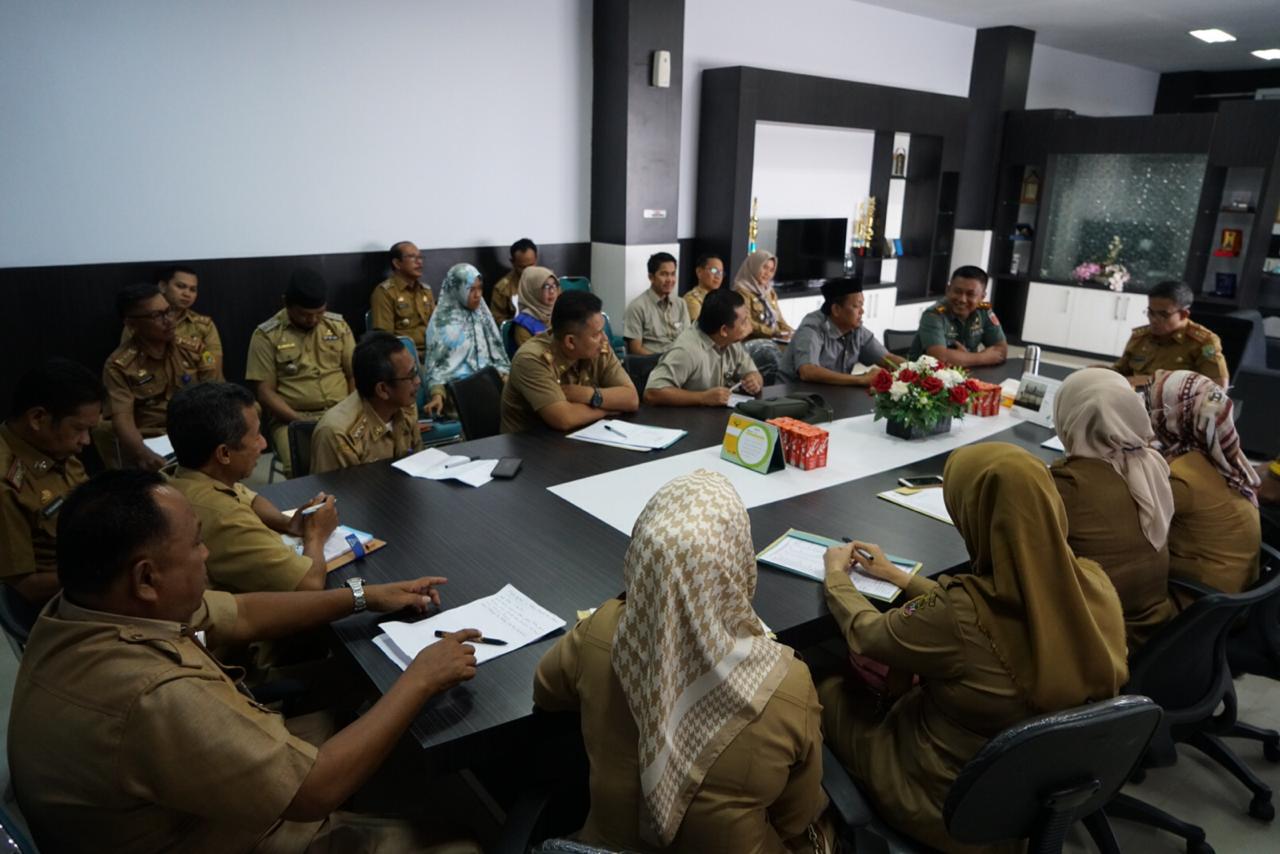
[
  {"x": 1054, "y": 620},
  {"x": 530, "y": 290},
  {"x": 748, "y": 278},
  {"x": 1099, "y": 416},
  {"x": 689, "y": 651}
]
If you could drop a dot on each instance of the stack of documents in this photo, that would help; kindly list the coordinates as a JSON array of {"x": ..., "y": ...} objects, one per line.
[
  {"x": 927, "y": 501},
  {"x": 434, "y": 464},
  {"x": 507, "y": 615},
  {"x": 801, "y": 553},
  {"x": 633, "y": 437}
]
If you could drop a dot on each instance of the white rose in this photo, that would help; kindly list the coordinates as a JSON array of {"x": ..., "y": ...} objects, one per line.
[
  {"x": 927, "y": 361},
  {"x": 898, "y": 390},
  {"x": 950, "y": 377}
]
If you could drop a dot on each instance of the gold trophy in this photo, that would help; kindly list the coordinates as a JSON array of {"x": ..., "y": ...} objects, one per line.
[
  {"x": 753, "y": 227},
  {"x": 864, "y": 227}
]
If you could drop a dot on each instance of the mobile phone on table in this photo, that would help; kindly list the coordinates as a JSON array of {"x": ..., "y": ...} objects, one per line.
[
  {"x": 922, "y": 481},
  {"x": 507, "y": 467}
]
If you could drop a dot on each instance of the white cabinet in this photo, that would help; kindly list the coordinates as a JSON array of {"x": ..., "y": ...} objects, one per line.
[
  {"x": 1048, "y": 313},
  {"x": 1084, "y": 319},
  {"x": 878, "y": 305},
  {"x": 795, "y": 308}
]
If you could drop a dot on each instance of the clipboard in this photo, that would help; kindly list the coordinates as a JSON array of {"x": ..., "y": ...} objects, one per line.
[
  {"x": 752, "y": 444},
  {"x": 350, "y": 557}
]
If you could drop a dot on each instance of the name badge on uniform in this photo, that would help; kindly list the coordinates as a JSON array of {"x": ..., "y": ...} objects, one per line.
[
  {"x": 53, "y": 507},
  {"x": 331, "y": 337},
  {"x": 141, "y": 379},
  {"x": 291, "y": 367}
]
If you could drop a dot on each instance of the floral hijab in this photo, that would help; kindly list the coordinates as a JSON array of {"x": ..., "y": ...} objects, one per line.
[{"x": 461, "y": 341}]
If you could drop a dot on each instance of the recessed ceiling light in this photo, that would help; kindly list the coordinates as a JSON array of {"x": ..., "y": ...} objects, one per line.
[
  {"x": 1212, "y": 36},
  {"x": 1270, "y": 53}
]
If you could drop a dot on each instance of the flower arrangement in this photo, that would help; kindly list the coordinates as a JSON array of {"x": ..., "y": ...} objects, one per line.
[
  {"x": 920, "y": 394},
  {"x": 1109, "y": 271}
]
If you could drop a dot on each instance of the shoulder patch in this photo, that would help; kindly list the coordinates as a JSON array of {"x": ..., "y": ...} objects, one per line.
[
  {"x": 927, "y": 600},
  {"x": 269, "y": 324}
]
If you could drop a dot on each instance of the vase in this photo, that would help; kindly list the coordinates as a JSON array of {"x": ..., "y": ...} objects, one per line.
[{"x": 914, "y": 431}]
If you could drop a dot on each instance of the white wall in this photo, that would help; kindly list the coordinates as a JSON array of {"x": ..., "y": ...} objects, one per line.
[
  {"x": 1064, "y": 80},
  {"x": 829, "y": 38},
  {"x": 148, "y": 129}
]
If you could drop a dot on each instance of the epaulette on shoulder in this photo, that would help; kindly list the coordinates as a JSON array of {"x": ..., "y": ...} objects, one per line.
[
  {"x": 126, "y": 355},
  {"x": 15, "y": 473},
  {"x": 1200, "y": 334},
  {"x": 1140, "y": 332},
  {"x": 985, "y": 305},
  {"x": 269, "y": 324},
  {"x": 385, "y": 284},
  {"x": 939, "y": 309},
  {"x": 334, "y": 316}
]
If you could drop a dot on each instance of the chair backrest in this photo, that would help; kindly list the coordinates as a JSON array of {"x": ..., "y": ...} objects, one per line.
[
  {"x": 898, "y": 341},
  {"x": 1037, "y": 777},
  {"x": 615, "y": 341},
  {"x": 413, "y": 351},
  {"x": 575, "y": 283},
  {"x": 13, "y": 839},
  {"x": 17, "y": 616},
  {"x": 368, "y": 319},
  {"x": 1260, "y": 389},
  {"x": 639, "y": 368},
  {"x": 478, "y": 399},
  {"x": 509, "y": 337},
  {"x": 300, "y": 446},
  {"x": 1255, "y": 646},
  {"x": 1240, "y": 336},
  {"x": 1183, "y": 667}
]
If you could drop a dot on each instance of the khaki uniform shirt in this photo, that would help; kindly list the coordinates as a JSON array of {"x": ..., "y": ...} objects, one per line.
[
  {"x": 655, "y": 322},
  {"x": 126, "y": 735},
  {"x": 537, "y": 373},
  {"x": 755, "y": 310},
  {"x": 245, "y": 556},
  {"x": 763, "y": 788},
  {"x": 1216, "y": 532},
  {"x": 309, "y": 367},
  {"x": 1192, "y": 348},
  {"x": 695, "y": 364},
  {"x": 500, "y": 303},
  {"x": 352, "y": 433},
  {"x": 693, "y": 301},
  {"x": 34, "y": 487},
  {"x": 137, "y": 382},
  {"x": 402, "y": 309},
  {"x": 940, "y": 328},
  {"x": 1103, "y": 526},
  {"x": 196, "y": 329},
  {"x": 820, "y": 342}
]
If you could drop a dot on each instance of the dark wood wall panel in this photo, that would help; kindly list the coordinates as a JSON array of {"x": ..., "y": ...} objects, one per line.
[{"x": 69, "y": 311}]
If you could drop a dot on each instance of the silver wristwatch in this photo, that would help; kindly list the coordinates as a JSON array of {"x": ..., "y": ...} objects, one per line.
[{"x": 357, "y": 589}]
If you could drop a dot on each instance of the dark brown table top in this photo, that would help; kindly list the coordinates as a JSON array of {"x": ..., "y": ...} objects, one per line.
[{"x": 516, "y": 531}]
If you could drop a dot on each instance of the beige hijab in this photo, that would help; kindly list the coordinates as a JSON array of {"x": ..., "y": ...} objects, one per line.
[
  {"x": 1053, "y": 619},
  {"x": 530, "y": 290},
  {"x": 690, "y": 652},
  {"x": 1100, "y": 416},
  {"x": 748, "y": 278}
]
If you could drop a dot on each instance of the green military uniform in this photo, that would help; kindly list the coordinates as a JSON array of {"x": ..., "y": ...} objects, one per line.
[
  {"x": 196, "y": 330},
  {"x": 34, "y": 487},
  {"x": 940, "y": 328},
  {"x": 309, "y": 368},
  {"x": 351, "y": 433},
  {"x": 539, "y": 370},
  {"x": 245, "y": 556},
  {"x": 144, "y": 385},
  {"x": 500, "y": 302},
  {"x": 1191, "y": 348},
  {"x": 403, "y": 309}
]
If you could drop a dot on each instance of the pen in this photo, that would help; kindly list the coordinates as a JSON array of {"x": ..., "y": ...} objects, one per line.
[
  {"x": 455, "y": 463},
  {"x": 613, "y": 429},
  {"x": 489, "y": 641},
  {"x": 307, "y": 511},
  {"x": 870, "y": 557}
]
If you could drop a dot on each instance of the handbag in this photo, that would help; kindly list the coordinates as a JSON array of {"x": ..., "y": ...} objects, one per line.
[{"x": 811, "y": 408}]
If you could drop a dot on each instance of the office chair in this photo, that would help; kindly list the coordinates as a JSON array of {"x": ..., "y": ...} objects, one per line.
[
  {"x": 1033, "y": 781},
  {"x": 509, "y": 337},
  {"x": 639, "y": 368},
  {"x": 478, "y": 399},
  {"x": 13, "y": 839},
  {"x": 1260, "y": 389},
  {"x": 898, "y": 341},
  {"x": 575, "y": 283},
  {"x": 1255, "y": 646},
  {"x": 300, "y": 446},
  {"x": 17, "y": 616},
  {"x": 1241, "y": 337}
]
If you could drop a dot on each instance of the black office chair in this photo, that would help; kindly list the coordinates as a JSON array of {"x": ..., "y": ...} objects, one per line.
[
  {"x": 1255, "y": 648},
  {"x": 1260, "y": 389},
  {"x": 1240, "y": 336},
  {"x": 17, "y": 616},
  {"x": 1183, "y": 667},
  {"x": 898, "y": 341},
  {"x": 639, "y": 368},
  {"x": 13, "y": 837},
  {"x": 478, "y": 400},
  {"x": 1033, "y": 781},
  {"x": 300, "y": 446}
]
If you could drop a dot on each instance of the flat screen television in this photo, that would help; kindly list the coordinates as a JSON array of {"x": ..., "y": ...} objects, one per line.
[{"x": 811, "y": 248}]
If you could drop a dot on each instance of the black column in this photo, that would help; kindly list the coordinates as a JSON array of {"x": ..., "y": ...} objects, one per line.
[{"x": 997, "y": 83}]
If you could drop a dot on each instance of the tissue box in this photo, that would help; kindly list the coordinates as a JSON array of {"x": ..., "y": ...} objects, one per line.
[
  {"x": 985, "y": 401},
  {"x": 803, "y": 445}
]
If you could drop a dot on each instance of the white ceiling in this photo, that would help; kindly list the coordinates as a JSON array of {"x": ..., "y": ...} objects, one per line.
[{"x": 1151, "y": 34}]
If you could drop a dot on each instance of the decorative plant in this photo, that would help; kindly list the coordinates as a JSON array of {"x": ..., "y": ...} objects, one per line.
[
  {"x": 921, "y": 393},
  {"x": 1109, "y": 271}
]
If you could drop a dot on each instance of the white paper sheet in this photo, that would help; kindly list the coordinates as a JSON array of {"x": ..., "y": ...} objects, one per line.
[
  {"x": 623, "y": 434},
  {"x": 927, "y": 501},
  {"x": 806, "y": 558},
  {"x": 434, "y": 464},
  {"x": 507, "y": 615},
  {"x": 1054, "y": 444},
  {"x": 858, "y": 447},
  {"x": 735, "y": 399},
  {"x": 335, "y": 546},
  {"x": 160, "y": 445}
]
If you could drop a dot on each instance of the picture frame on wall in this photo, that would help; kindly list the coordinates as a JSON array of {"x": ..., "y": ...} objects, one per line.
[{"x": 1229, "y": 243}]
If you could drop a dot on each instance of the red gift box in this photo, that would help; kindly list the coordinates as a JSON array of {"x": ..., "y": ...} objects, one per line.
[
  {"x": 985, "y": 401},
  {"x": 803, "y": 445}
]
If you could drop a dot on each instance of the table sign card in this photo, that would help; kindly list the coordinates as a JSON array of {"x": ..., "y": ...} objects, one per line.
[
  {"x": 1034, "y": 400},
  {"x": 752, "y": 444}
]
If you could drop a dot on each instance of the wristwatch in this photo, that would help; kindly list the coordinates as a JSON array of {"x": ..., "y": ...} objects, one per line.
[
  {"x": 597, "y": 397},
  {"x": 357, "y": 590}
]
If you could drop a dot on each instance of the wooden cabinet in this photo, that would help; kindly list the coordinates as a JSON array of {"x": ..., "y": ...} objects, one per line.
[{"x": 1075, "y": 318}]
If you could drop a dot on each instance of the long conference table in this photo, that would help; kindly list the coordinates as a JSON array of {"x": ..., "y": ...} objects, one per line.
[{"x": 516, "y": 531}]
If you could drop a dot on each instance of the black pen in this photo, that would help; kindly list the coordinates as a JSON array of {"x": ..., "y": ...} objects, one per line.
[
  {"x": 489, "y": 641},
  {"x": 870, "y": 557},
  {"x": 613, "y": 429}
]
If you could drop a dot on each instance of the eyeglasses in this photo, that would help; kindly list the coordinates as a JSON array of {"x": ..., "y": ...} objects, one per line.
[
  {"x": 410, "y": 257},
  {"x": 158, "y": 314},
  {"x": 1160, "y": 315},
  {"x": 713, "y": 271},
  {"x": 413, "y": 376},
  {"x": 551, "y": 286}
]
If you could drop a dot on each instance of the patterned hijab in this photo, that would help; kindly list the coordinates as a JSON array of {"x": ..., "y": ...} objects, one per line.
[
  {"x": 1099, "y": 416},
  {"x": 748, "y": 278},
  {"x": 691, "y": 654},
  {"x": 530, "y": 290},
  {"x": 1054, "y": 620},
  {"x": 461, "y": 341},
  {"x": 1191, "y": 412}
]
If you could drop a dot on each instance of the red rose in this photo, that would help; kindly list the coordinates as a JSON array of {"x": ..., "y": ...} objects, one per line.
[
  {"x": 882, "y": 382},
  {"x": 959, "y": 394},
  {"x": 931, "y": 384},
  {"x": 907, "y": 375},
  {"x": 972, "y": 385}
]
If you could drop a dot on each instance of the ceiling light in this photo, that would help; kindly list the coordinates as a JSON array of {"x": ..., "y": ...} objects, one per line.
[
  {"x": 1212, "y": 36},
  {"x": 1270, "y": 53}
]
